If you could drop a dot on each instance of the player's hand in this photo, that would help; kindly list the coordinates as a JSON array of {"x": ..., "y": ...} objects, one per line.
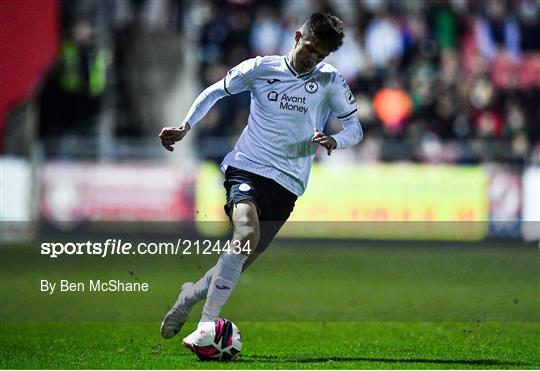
[
  {"x": 324, "y": 140},
  {"x": 169, "y": 135}
]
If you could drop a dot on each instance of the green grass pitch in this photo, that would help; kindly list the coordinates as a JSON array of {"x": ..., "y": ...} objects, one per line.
[{"x": 381, "y": 306}]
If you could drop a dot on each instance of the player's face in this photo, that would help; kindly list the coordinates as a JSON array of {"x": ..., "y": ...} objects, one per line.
[{"x": 307, "y": 53}]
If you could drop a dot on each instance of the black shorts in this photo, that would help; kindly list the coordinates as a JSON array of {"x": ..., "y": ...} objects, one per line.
[{"x": 274, "y": 203}]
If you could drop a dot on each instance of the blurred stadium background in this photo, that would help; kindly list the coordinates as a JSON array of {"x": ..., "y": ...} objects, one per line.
[
  {"x": 449, "y": 97},
  {"x": 448, "y": 94}
]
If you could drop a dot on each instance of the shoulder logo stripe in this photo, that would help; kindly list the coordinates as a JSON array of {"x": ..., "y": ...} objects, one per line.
[
  {"x": 225, "y": 85},
  {"x": 347, "y": 115}
]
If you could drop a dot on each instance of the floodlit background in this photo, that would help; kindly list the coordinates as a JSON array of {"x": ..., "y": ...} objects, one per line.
[
  {"x": 448, "y": 96},
  {"x": 421, "y": 242}
]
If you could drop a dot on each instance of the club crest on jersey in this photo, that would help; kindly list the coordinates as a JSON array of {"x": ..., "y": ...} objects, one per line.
[{"x": 311, "y": 86}]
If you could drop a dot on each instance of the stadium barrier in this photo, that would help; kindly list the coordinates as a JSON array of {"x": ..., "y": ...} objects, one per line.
[
  {"x": 531, "y": 204},
  {"x": 377, "y": 202},
  {"x": 383, "y": 201},
  {"x": 16, "y": 198}
]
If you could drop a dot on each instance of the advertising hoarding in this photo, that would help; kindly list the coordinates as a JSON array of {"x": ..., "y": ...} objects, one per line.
[
  {"x": 393, "y": 201},
  {"x": 115, "y": 192}
]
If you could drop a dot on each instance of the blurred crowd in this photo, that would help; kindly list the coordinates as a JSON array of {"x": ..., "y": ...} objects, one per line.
[
  {"x": 441, "y": 81},
  {"x": 436, "y": 81},
  {"x": 117, "y": 61}
]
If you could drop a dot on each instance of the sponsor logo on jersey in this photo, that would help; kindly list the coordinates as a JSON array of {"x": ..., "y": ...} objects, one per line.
[
  {"x": 311, "y": 86},
  {"x": 272, "y": 81},
  {"x": 273, "y": 96},
  {"x": 289, "y": 102},
  {"x": 293, "y": 103}
]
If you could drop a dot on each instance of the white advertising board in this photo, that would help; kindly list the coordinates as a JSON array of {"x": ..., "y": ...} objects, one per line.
[
  {"x": 15, "y": 190},
  {"x": 531, "y": 204}
]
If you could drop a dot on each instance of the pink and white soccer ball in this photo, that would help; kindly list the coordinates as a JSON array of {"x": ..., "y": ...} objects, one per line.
[{"x": 218, "y": 340}]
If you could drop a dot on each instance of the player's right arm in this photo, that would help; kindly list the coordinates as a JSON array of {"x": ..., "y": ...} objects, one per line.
[
  {"x": 238, "y": 79},
  {"x": 200, "y": 107},
  {"x": 170, "y": 135}
]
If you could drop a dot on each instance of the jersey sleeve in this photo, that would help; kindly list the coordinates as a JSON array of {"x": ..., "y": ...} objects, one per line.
[
  {"x": 204, "y": 102},
  {"x": 241, "y": 77},
  {"x": 341, "y": 99},
  {"x": 343, "y": 104}
]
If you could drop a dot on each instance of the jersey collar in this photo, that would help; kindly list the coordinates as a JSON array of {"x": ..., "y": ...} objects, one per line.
[{"x": 291, "y": 68}]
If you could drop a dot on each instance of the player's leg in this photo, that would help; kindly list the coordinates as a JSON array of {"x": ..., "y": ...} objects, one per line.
[
  {"x": 219, "y": 281},
  {"x": 275, "y": 207},
  {"x": 241, "y": 210},
  {"x": 190, "y": 294},
  {"x": 268, "y": 230},
  {"x": 199, "y": 290},
  {"x": 178, "y": 314},
  {"x": 226, "y": 273},
  {"x": 193, "y": 293}
]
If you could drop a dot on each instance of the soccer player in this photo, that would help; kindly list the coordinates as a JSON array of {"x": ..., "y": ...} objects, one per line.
[{"x": 292, "y": 97}]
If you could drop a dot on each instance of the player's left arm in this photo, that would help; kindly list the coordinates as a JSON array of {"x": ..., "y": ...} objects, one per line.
[
  {"x": 351, "y": 133},
  {"x": 343, "y": 104}
]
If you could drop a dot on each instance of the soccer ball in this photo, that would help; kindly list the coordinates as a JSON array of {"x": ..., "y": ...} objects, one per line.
[{"x": 218, "y": 340}]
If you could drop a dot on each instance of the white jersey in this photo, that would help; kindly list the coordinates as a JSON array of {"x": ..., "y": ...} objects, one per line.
[{"x": 285, "y": 108}]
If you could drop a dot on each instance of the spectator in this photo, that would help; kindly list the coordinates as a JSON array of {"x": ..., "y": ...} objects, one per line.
[
  {"x": 383, "y": 40},
  {"x": 266, "y": 32},
  {"x": 497, "y": 34},
  {"x": 470, "y": 71},
  {"x": 72, "y": 94}
]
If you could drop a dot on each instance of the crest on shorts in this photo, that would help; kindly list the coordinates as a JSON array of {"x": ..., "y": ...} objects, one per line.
[
  {"x": 244, "y": 187},
  {"x": 311, "y": 86}
]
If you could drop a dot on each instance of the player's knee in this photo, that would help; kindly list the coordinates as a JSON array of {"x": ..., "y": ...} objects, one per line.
[{"x": 247, "y": 235}]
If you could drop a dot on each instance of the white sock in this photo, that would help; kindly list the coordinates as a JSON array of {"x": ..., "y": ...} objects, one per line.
[{"x": 224, "y": 279}]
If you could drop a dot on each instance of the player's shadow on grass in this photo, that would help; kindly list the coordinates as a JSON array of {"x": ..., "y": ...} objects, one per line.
[{"x": 475, "y": 362}]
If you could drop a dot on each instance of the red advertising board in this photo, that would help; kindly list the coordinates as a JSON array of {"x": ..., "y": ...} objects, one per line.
[{"x": 116, "y": 192}]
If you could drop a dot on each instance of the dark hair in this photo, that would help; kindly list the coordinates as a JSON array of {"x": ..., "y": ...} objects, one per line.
[{"x": 327, "y": 28}]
